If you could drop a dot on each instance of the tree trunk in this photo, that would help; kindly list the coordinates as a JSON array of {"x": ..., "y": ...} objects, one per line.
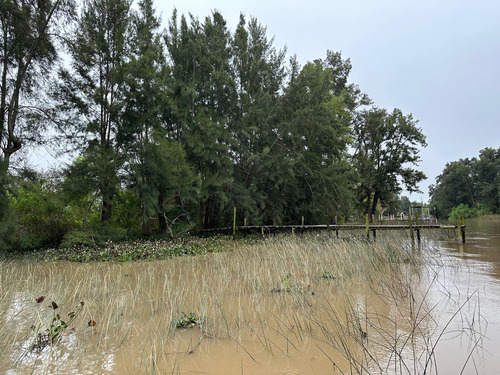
[
  {"x": 162, "y": 221},
  {"x": 146, "y": 223},
  {"x": 368, "y": 203},
  {"x": 107, "y": 205},
  {"x": 373, "y": 210}
]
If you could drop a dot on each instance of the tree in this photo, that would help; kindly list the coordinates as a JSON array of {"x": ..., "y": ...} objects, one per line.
[
  {"x": 259, "y": 73},
  {"x": 317, "y": 120},
  {"x": 143, "y": 88},
  {"x": 27, "y": 55},
  {"x": 203, "y": 101},
  {"x": 487, "y": 175},
  {"x": 454, "y": 186},
  {"x": 472, "y": 183},
  {"x": 90, "y": 91},
  {"x": 386, "y": 146}
]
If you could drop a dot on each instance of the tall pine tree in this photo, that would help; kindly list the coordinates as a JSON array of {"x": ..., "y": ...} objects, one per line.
[{"x": 90, "y": 91}]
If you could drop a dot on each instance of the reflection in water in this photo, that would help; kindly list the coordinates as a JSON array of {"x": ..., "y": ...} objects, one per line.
[{"x": 310, "y": 306}]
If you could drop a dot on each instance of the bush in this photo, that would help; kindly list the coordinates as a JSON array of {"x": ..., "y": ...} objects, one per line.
[
  {"x": 96, "y": 235},
  {"x": 43, "y": 217},
  {"x": 465, "y": 211}
]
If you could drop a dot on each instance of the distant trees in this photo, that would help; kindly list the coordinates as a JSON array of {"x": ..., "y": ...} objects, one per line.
[
  {"x": 386, "y": 151},
  {"x": 469, "y": 182},
  {"x": 173, "y": 128}
]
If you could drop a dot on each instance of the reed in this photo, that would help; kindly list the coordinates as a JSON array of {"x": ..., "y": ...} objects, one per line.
[{"x": 353, "y": 305}]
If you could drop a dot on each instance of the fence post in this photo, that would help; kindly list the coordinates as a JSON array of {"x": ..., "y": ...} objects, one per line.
[
  {"x": 462, "y": 229},
  {"x": 411, "y": 227}
]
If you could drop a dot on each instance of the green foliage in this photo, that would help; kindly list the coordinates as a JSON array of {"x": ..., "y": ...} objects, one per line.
[
  {"x": 188, "y": 321},
  {"x": 27, "y": 54},
  {"x": 175, "y": 128},
  {"x": 44, "y": 219},
  {"x": 470, "y": 182},
  {"x": 95, "y": 235},
  {"x": 127, "y": 211},
  {"x": 131, "y": 250},
  {"x": 56, "y": 327},
  {"x": 386, "y": 146},
  {"x": 465, "y": 211}
]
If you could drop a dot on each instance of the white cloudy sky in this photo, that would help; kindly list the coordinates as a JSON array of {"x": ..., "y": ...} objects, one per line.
[{"x": 437, "y": 59}]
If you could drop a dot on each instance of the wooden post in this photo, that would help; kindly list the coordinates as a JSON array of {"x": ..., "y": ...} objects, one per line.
[
  {"x": 234, "y": 220},
  {"x": 302, "y": 220},
  {"x": 367, "y": 226},
  {"x": 416, "y": 217},
  {"x": 245, "y": 222},
  {"x": 418, "y": 234},
  {"x": 462, "y": 229},
  {"x": 262, "y": 231},
  {"x": 411, "y": 227}
]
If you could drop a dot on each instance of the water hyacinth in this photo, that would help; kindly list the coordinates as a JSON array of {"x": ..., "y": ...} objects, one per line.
[{"x": 135, "y": 250}]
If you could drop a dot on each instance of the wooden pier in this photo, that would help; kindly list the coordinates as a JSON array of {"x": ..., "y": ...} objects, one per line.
[{"x": 367, "y": 228}]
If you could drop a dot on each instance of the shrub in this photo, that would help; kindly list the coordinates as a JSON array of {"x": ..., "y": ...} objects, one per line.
[{"x": 465, "y": 211}]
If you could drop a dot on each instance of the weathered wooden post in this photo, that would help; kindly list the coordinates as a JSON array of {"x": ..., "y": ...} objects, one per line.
[
  {"x": 302, "y": 220},
  {"x": 462, "y": 229},
  {"x": 411, "y": 227},
  {"x": 245, "y": 222},
  {"x": 417, "y": 223},
  {"x": 367, "y": 226}
]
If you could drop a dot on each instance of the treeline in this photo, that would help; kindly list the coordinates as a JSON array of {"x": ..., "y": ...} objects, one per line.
[
  {"x": 173, "y": 128},
  {"x": 468, "y": 187}
]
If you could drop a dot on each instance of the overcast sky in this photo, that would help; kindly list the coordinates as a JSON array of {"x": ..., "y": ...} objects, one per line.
[{"x": 436, "y": 59}]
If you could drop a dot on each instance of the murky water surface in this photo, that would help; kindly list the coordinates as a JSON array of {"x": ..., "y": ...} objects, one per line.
[{"x": 266, "y": 311}]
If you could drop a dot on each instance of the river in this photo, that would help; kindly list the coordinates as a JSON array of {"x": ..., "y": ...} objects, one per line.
[{"x": 273, "y": 309}]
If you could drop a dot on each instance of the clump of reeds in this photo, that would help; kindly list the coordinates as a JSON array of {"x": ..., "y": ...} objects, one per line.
[{"x": 360, "y": 306}]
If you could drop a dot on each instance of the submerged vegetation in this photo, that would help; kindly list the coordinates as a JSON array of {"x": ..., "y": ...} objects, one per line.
[{"x": 356, "y": 306}]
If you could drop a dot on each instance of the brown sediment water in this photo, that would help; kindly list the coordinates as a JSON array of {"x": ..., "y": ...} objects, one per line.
[{"x": 286, "y": 306}]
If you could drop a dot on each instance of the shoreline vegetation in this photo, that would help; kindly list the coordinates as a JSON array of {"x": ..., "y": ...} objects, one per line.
[
  {"x": 357, "y": 306},
  {"x": 145, "y": 249}
]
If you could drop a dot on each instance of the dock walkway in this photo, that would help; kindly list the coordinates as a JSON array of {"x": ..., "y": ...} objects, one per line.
[{"x": 373, "y": 228}]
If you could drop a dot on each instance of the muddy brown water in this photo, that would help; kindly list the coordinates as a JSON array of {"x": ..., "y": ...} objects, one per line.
[{"x": 249, "y": 329}]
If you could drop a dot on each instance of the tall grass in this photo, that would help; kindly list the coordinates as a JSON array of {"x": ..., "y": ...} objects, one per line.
[{"x": 313, "y": 302}]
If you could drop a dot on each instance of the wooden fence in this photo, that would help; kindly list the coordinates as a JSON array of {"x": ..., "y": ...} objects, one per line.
[{"x": 413, "y": 228}]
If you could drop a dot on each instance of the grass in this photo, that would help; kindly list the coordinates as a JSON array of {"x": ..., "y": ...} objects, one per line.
[{"x": 313, "y": 302}]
